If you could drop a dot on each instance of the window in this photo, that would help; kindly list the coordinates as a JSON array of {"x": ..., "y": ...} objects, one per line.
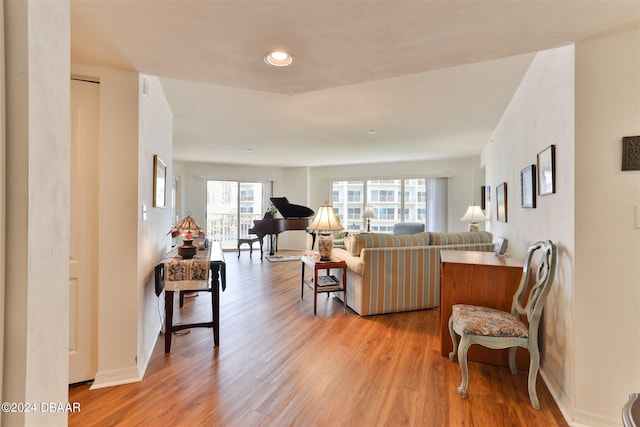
[
  {"x": 246, "y": 195},
  {"x": 231, "y": 208},
  {"x": 354, "y": 213},
  {"x": 393, "y": 200},
  {"x": 354, "y": 196}
]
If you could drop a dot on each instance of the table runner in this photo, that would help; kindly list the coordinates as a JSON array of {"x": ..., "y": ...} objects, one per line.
[{"x": 186, "y": 274}]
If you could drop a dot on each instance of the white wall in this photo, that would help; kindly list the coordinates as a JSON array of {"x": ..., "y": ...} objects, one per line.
[
  {"x": 37, "y": 41},
  {"x": 193, "y": 179},
  {"x": 464, "y": 189},
  {"x": 294, "y": 185},
  {"x": 3, "y": 183},
  {"x": 539, "y": 114},
  {"x": 607, "y": 267},
  {"x": 583, "y": 99},
  {"x": 117, "y": 224},
  {"x": 156, "y": 137},
  {"x": 133, "y": 127},
  {"x": 312, "y": 186}
]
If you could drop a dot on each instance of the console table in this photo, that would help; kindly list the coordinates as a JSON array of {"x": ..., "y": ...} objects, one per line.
[
  {"x": 176, "y": 274},
  {"x": 478, "y": 278}
]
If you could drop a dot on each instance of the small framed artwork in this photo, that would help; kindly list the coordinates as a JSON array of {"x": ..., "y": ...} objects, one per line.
[
  {"x": 483, "y": 197},
  {"x": 547, "y": 171},
  {"x": 501, "y": 202},
  {"x": 159, "y": 182},
  {"x": 528, "y": 186},
  {"x": 631, "y": 153}
]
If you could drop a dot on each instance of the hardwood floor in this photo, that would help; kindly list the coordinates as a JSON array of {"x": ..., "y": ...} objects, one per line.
[{"x": 279, "y": 365}]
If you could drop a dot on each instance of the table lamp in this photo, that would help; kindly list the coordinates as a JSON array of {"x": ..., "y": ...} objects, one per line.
[
  {"x": 368, "y": 214},
  {"x": 474, "y": 214},
  {"x": 189, "y": 229},
  {"x": 325, "y": 222}
]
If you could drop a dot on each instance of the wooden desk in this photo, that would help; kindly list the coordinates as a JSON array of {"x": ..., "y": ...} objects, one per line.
[
  {"x": 478, "y": 278},
  {"x": 217, "y": 277}
]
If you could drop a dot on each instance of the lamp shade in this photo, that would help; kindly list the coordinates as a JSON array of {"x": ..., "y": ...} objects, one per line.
[
  {"x": 474, "y": 213},
  {"x": 188, "y": 227},
  {"x": 368, "y": 212},
  {"x": 326, "y": 220}
]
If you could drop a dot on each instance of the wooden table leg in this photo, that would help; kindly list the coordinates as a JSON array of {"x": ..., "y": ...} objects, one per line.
[
  {"x": 344, "y": 286},
  {"x": 168, "y": 320},
  {"x": 315, "y": 290},
  {"x": 302, "y": 282},
  {"x": 215, "y": 305}
]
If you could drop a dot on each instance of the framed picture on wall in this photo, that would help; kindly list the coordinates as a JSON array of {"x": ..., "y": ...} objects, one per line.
[
  {"x": 159, "y": 182},
  {"x": 528, "y": 186},
  {"x": 501, "y": 202},
  {"x": 547, "y": 171},
  {"x": 631, "y": 153}
]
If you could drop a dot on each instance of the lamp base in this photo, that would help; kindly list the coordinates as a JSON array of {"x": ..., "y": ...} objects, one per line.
[
  {"x": 187, "y": 250},
  {"x": 474, "y": 226},
  {"x": 325, "y": 246}
]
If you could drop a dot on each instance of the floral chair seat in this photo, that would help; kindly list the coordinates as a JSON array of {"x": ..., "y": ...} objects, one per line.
[
  {"x": 488, "y": 322},
  {"x": 498, "y": 329}
]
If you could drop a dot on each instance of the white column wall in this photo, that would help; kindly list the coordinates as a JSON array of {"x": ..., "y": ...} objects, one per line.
[
  {"x": 37, "y": 42},
  {"x": 3, "y": 183},
  {"x": 607, "y": 267},
  {"x": 541, "y": 113},
  {"x": 118, "y": 298},
  {"x": 583, "y": 99},
  {"x": 156, "y": 137}
]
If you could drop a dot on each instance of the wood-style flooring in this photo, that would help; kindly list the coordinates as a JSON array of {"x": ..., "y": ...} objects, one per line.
[{"x": 279, "y": 365}]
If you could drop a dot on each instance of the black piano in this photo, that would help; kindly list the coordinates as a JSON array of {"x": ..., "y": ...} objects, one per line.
[{"x": 296, "y": 217}]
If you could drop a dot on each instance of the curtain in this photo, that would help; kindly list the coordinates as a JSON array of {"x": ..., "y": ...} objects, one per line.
[{"x": 437, "y": 204}]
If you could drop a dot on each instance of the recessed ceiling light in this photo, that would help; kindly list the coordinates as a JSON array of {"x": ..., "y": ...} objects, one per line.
[
  {"x": 372, "y": 131},
  {"x": 279, "y": 59}
]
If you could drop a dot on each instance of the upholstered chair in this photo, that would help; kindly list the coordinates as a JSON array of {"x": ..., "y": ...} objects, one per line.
[{"x": 498, "y": 329}]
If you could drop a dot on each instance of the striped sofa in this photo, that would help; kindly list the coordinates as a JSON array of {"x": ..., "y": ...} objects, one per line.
[{"x": 390, "y": 274}]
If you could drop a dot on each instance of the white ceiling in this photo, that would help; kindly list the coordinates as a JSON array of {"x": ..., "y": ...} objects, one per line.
[{"x": 432, "y": 78}]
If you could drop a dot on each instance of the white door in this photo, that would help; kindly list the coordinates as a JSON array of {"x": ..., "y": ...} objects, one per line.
[{"x": 83, "y": 325}]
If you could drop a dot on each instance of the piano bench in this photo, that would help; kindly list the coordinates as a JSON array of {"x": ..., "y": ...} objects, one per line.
[{"x": 249, "y": 241}]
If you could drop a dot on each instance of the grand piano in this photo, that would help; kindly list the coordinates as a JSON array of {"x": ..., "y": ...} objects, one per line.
[{"x": 296, "y": 217}]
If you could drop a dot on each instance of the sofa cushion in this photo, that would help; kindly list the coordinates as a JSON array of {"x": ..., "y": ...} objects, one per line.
[
  {"x": 377, "y": 240},
  {"x": 466, "y": 237},
  {"x": 403, "y": 228}
]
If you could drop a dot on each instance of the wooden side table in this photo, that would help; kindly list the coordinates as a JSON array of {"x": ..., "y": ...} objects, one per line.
[{"x": 324, "y": 284}]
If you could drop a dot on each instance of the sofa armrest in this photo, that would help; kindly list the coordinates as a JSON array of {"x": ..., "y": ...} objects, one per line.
[{"x": 354, "y": 263}]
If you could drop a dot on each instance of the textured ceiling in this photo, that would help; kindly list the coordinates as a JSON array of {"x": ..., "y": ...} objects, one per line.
[{"x": 432, "y": 78}]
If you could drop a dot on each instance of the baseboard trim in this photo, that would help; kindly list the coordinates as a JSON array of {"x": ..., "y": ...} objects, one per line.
[
  {"x": 116, "y": 377},
  {"x": 572, "y": 416},
  {"x": 561, "y": 399},
  {"x": 595, "y": 420}
]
